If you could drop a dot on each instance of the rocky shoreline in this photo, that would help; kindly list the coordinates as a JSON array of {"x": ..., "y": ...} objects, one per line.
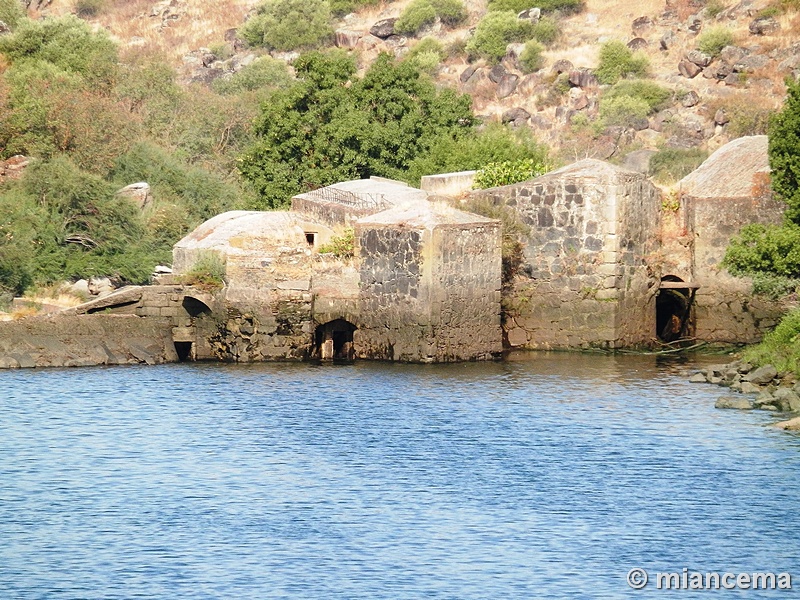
[{"x": 762, "y": 388}]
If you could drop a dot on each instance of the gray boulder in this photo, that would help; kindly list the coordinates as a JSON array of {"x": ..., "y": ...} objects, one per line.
[
  {"x": 562, "y": 66},
  {"x": 383, "y": 28},
  {"x": 637, "y": 43},
  {"x": 734, "y": 403},
  {"x": 688, "y": 69},
  {"x": 507, "y": 85},
  {"x": 690, "y": 99},
  {"x": 786, "y": 399},
  {"x": 496, "y": 73},
  {"x": 517, "y": 115},
  {"x": 762, "y": 375},
  {"x": 764, "y": 26},
  {"x": 701, "y": 59},
  {"x": 531, "y": 14}
]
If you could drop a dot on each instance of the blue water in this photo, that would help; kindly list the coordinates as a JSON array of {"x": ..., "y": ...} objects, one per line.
[{"x": 546, "y": 476}]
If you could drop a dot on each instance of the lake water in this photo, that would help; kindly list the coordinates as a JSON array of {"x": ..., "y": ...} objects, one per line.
[{"x": 545, "y": 476}]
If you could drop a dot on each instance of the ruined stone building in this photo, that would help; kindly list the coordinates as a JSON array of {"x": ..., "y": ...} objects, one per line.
[{"x": 607, "y": 261}]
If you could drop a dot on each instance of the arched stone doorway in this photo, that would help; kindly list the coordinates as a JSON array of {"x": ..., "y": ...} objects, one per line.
[
  {"x": 334, "y": 341},
  {"x": 674, "y": 309}
]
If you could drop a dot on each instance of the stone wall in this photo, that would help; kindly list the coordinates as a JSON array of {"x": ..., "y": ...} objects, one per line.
[
  {"x": 85, "y": 340},
  {"x": 585, "y": 281}
]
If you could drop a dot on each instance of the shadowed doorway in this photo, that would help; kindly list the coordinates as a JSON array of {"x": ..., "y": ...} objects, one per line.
[{"x": 334, "y": 341}]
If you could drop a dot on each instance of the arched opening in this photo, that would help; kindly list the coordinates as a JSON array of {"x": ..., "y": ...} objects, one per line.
[
  {"x": 674, "y": 314},
  {"x": 195, "y": 307},
  {"x": 334, "y": 341}
]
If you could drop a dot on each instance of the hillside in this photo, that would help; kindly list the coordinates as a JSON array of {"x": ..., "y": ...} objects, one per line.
[{"x": 209, "y": 106}]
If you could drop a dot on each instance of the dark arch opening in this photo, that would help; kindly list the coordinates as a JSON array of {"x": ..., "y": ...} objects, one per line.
[
  {"x": 185, "y": 351},
  {"x": 674, "y": 309},
  {"x": 195, "y": 307},
  {"x": 334, "y": 341}
]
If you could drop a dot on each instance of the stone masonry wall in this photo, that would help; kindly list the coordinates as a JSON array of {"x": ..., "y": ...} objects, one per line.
[
  {"x": 585, "y": 283},
  {"x": 726, "y": 309},
  {"x": 394, "y": 297},
  {"x": 465, "y": 291}
]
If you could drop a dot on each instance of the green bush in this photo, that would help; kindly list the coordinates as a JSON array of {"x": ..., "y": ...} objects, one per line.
[
  {"x": 508, "y": 172},
  {"x": 342, "y": 245},
  {"x": 517, "y": 6},
  {"x": 207, "y": 272},
  {"x": 784, "y": 151},
  {"x": 780, "y": 347},
  {"x": 288, "y": 24},
  {"x": 264, "y": 73},
  {"x": 625, "y": 111},
  {"x": 618, "y": 61},
  {"x": 546, "y": 31},
  {"x": 495, "y": 32},
  {"x": 339, "y": 8},
  {"x": 11, "y": 12},
  {"x": 654, "y": 95},
  {"x": 673, "y": 164},
  {"x": 713, "y": 40},
  {"x": 531, "y": 58},
  {"x": 761, "y": 248},
  {"x": 450, "y": 12},
  {"x": 473, "y": 149},
  {"x": 67, "y": 43},
  {"x": 416, "y": 15}
]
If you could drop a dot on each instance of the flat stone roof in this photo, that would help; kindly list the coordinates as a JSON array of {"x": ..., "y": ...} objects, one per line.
[
  {"x": 427, "y": 214},
  {"x": 383, "y": 192}
]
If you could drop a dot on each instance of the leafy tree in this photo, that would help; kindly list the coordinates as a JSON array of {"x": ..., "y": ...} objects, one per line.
[
  {"x": 289, "y": 24},
  {"x": 784, "y": 152},
  {"x": 321, "y": 130}
]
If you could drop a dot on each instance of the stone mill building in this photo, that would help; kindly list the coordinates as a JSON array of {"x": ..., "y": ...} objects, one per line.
[{"x": 605, "y": 260}]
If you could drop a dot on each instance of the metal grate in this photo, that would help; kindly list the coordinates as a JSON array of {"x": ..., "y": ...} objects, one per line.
[{"x": 356, "y": 200}]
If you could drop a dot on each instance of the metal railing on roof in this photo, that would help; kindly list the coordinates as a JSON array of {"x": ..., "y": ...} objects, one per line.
[{"x": 363, "y": 200}]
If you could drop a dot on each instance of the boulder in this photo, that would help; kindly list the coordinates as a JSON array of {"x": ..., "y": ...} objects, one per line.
[
  {"x": 138, "y": 192},
  {"x": 383, "y": 28},
  {"x": 690, "y": 99},
  {"x": 507, "y": 85},
  {"x": 701, "y": 59},
  {"x": 583, "y": 78},
  {"x": 698, "y": 378},
  {"x": 100, "y": 285},
  {"x": 640, "y": 25},
  {"x": 496, "y": 73},
  {"x": 688, "y": 69},
  {"x": 639, "y": 161},
  {"x": 80, "y": 288},
  {"x": 7, "y": 362},
  {"x": 764, "y": 26},
  {"x": 721, "y": 117},
  {"x": 345, "y": 38},
  {"x": 733, "y": 54},
  {"x": 786, "y": 399},
  {"x": 467, "y": 73},
  {"x": 734, "y": 403},
  {"x": 762, "y": 375},
  {"x": 719, "y": 71},
  {"x": 750, "y": 63},
  {"x": 637, "y": 43},
  {"x": 667, "y": 40},
  {"x": 790, "y": 425},
  {"x": 531, "y": 14},
  {"x": 562, "y": 66},
  {"x": 517, "y": 115},
  {"x": 694, "y": 24},
  {"x": 750, "y": 388}
]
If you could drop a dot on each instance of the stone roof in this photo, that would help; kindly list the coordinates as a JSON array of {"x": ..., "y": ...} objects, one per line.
[
  {"x": 231, "y": 230},
  {"x": 590, "y": 167},
  {"x": 376, "y": 190},
  {"x": 424, "y": 214},
  {"x": 730, "y": 171}
]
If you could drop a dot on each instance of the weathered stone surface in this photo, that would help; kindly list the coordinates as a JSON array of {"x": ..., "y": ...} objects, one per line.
[
  {"x": 583, "y": 78},
  {"x": 733, "y": 402},
  {"x": 790, "y": 425},
  {"x": 688, "y": 69},
  {"x": 507, "y": 85},
  {"x": 764, "y": 26},
  {"x": 750, "y": 63},
  {"x": 562, "y": 66},
  {"x": 139, "y": 193},
  {"x": 786, "y": 399},
  {"x": 750, "y": 388},
  {"x": 496, "y": 73},
  {"x": 637, "y": 43},
  {"x": 690, "y": 99},
  {"x": 467, "y": 73},
  {"x": 531, "y": 14},
  {"x": 345, "y": 38},
  {"x": 721, "y": 117},
  {"x": 383, "y": 28},
  {"x": 698, "y": 378},
  {"x": 641, "y": 25},
  {"x": 516, "y": 115},
  {"x": 701, "y": 59},
  {"x": 762, "y": 375},
  {"x": 667, "y": 40}
]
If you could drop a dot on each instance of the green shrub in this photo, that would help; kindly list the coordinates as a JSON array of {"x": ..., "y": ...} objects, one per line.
[
  {"x": 495, "y": 32},
  {"x": 625, "y": 111},
  {"x": 546, "y": 31},
  {"x": 531, "y": 58},
  {"x": 784, "y": 151},
  {"x": 774, "y": 286},
  {"x": 656, "y": 96},
  {"x": 207, "y": 272},
  {"x": 508, "y": 172},
  {"x": 67, "y": 43},
  {"x": 288, "y": 24},
  {"x": 517, "y": 6},
  {"x": 339, "y": 8},
  {"x": 450, "y": 12},
  {"x": 780, "y": 347},
  {"x": 416, "y": 15},
  {"x": 264, "y": 73},
  {"x": 11, "y": 12},
  {"x": 342, "y": 246},
  {"x": 714, "y": 7},
  {"x": 712, "y": 41},
  {"x": 673, "y": 164},
  {"x": 618, "y": 61},
  {"x": 761, "y": 248}
]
